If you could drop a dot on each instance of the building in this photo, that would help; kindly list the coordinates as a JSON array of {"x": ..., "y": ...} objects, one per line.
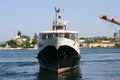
[
  {"x": 116, "y": 36},
  {"x": 102, "y": 45},
  {"x": 19, "y": 39}
]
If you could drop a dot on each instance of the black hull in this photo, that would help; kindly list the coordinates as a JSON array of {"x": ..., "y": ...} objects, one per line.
[{"x": 63, "y": 59}]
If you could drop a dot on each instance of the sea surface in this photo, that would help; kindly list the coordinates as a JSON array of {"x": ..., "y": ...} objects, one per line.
[{"x": 95, "y": 64}]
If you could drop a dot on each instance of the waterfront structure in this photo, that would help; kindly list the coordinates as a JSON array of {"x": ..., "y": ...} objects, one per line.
[
  {"x": 102, "y": 45},
  {"x": 97, "y": 44}
]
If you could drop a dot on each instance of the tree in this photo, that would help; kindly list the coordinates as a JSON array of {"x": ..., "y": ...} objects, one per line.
[
  {"x": 12, "y": 43},
  {"x": 35, "y": 39},
  {"x": 36, "y": 36},
  {"x": 26, "y": 44},
  {"x": 19, "y": 33},
  {"x": 3, "y": 45}
]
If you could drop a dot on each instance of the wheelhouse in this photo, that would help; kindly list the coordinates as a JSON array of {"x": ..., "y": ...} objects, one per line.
[{"x": 66, "y": 34}]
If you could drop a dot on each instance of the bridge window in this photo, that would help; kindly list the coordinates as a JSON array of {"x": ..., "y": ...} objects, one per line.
[
  {"x": 67, "y": 35},
  {"x": 50, "y": 36},
  {"x": 44, "y": 36},
  {"x": 60, "y": 35},
  {"x": 74, "y": 36}
]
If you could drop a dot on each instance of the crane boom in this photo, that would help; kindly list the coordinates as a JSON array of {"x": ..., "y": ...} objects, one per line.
[{"x": 104, "y": 17}]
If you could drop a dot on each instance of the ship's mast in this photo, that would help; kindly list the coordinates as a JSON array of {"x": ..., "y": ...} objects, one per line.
[
  {"x": 57, "y": 14},
  {"x": 58, "y": 24}
]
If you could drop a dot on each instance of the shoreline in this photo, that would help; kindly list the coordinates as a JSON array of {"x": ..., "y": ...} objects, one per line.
[
  {"x": 36, "y": 48},
  {"x": 18, "y": 48}
]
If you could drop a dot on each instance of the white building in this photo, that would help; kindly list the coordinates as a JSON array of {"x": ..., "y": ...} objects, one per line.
[{"x": 19, "y": 39}]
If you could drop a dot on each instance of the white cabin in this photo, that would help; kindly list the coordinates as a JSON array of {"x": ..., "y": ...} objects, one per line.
[{"x": 73, "y": 35}]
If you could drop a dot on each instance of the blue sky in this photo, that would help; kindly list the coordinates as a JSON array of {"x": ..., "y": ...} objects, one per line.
[{"x": 30, "y": 16}]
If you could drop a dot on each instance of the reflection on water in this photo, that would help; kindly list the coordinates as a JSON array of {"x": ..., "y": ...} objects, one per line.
[{"x": 69, "y": 75}]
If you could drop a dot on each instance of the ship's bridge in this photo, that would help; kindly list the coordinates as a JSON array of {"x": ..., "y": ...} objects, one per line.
[{"x": 73, "y": 35}]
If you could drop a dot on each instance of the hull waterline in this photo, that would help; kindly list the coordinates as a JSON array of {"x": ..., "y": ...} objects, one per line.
[{"x": 61, "y": 60}]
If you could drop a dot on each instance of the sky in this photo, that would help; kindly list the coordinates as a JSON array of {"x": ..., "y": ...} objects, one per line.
[{"x": 35, "y": 16}]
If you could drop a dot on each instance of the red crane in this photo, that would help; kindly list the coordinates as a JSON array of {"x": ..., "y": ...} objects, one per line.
[
  {"x": 116, "y": 34},
  {"x": 104, "y": 17}
]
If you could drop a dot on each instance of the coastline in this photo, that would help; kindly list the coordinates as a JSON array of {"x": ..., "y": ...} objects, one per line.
[{"x": 18, "y": 48}]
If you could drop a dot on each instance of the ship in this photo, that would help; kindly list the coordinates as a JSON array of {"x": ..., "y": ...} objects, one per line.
[{"x": 58, "y": 48}]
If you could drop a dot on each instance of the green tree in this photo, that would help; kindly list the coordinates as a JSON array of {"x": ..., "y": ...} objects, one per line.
[
  {"x": 19, "y": 33},
  {"x": 3, "y": 45},
  {"x": 36, "y": 36},
  {"x": 35, "y": 39},
  {"x": 12, "y": 43},
  {"x": 26, "y": 44}
]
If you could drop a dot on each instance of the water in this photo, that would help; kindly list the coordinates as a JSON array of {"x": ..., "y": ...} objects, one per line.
[{"x": 95, "y": 64}]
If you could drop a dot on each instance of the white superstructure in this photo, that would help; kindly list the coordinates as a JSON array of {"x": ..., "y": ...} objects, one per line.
[{"x": 59, "y": 38}]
